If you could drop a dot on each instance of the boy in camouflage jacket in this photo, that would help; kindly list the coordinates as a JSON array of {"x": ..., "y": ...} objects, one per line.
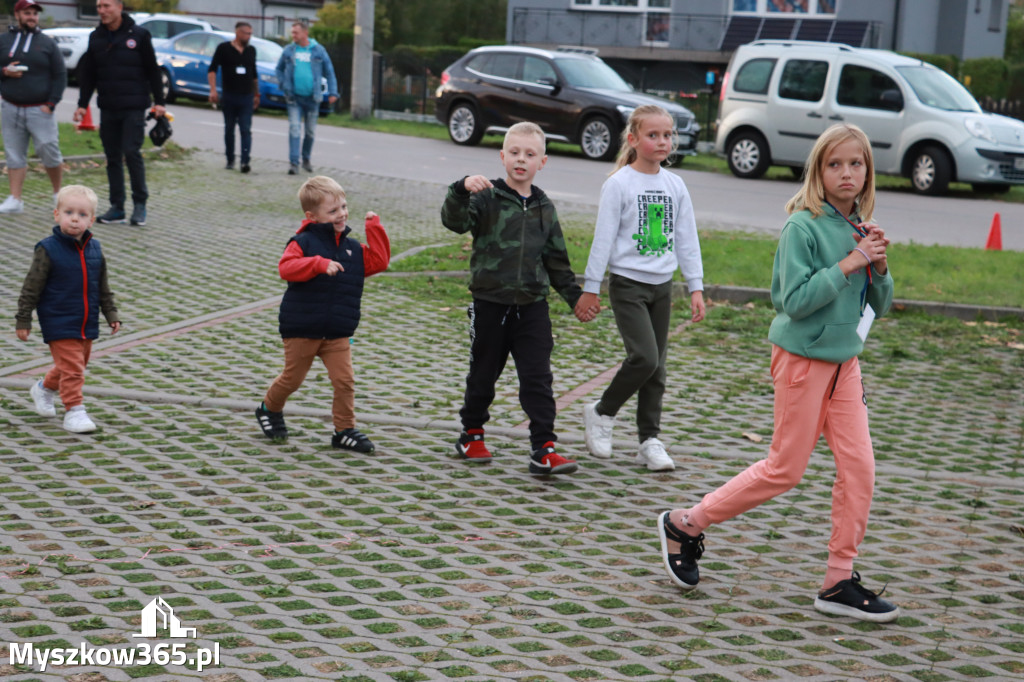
[{"x": 518, "y": 254}]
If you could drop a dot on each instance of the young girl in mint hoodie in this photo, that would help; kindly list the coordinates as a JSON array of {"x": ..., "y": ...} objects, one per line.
[{"x": 830, "y": 273}]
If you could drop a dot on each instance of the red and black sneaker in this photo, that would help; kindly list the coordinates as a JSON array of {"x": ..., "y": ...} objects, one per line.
[
  {"x": 471, "y": 446},
  {"x": 546, "y": 461}
]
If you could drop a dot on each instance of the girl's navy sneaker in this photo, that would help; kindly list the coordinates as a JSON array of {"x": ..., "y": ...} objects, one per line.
[{"x": 850, "y": 598}]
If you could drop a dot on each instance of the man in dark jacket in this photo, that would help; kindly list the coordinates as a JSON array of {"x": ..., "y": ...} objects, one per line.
[
  {"x": 120, "y": 65},
  {"x": 32, "y": 81}
]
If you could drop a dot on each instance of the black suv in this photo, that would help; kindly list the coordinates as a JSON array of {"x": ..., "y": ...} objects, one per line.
[{"x": 571, "y": 94}]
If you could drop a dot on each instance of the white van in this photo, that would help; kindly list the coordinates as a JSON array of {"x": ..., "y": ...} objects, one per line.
[{"x": 778, "y": 96}]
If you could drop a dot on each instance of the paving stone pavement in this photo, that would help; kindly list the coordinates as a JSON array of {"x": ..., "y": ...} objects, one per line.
[{"x": 302, "y": 562}]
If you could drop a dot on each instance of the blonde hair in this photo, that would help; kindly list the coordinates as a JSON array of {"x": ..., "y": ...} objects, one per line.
[
  {"x": 526, "y": 128},
  {"x": 812, "y": 195},
  {"x": 78, "y": 191},
  {"x": 316, "y": 189},
  {"x": 627, "y": 153}
]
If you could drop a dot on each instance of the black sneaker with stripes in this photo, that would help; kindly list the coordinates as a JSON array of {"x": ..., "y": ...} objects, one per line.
[
  {"x": 271, "y": 423},
  {"x": 352, "y": 439}
]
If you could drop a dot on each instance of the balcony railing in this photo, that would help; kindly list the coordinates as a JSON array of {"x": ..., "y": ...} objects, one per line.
[{"x": 676, "y": 31}]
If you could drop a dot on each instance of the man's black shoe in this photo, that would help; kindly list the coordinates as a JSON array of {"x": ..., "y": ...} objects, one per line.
[
  {"x": 112, "y": 216},
  {"x": 245, "y": 168},
  {"x": 139, "y": 214}
]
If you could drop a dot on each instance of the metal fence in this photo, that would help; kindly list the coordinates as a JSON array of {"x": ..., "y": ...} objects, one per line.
[{"x": 407, "y": 93}]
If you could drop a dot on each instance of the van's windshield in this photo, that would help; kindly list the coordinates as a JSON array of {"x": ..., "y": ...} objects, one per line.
[{"x": 938, "y": 89}]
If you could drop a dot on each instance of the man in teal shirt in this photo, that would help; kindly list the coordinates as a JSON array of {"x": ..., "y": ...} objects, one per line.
[{"x": 301, "y": 70}]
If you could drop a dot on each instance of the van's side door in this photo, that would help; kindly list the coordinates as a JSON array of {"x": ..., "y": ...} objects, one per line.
[
  {"x": 797, "y": 110},
  {"x": 872, "y": 100}
]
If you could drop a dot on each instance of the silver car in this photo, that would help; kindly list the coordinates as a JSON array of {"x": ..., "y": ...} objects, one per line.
[{"x": 779, "y": 96}]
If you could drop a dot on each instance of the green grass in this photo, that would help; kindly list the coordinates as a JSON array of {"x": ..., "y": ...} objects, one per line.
[
  {"x": 944, "y": 274},
  {"x": 75, "y": 143}
]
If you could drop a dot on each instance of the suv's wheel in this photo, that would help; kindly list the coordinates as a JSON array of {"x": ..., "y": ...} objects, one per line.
[
  {"x": 931, "y": 171},
  {"x": 598, "y": 139},
  {"x": 165, "y": 83},
  {"x": 464, "y": 124},
  {"x": 747, "y": 155}
]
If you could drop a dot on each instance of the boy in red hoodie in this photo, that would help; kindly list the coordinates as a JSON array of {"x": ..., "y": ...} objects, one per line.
[{"x": 325, "y": 270}]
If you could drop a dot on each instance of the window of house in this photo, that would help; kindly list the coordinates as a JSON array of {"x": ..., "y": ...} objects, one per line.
[
  {"x": 803, "y": 79},
  {"x": 753, "y": 76},
  {"x": 995, "y": 16},
  {"x": 622, "y": 5},
  {"x": 860, "y": 86},
  {"x": 783, "y": 7}
]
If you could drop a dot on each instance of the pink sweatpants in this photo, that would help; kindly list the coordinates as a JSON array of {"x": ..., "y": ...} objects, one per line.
[
  {"x": 70, "y": 356},
  {"x": 811, "y": 397}
]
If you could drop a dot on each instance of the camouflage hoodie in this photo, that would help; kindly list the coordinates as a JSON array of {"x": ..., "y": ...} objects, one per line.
[{"x": 518, "y": 248}]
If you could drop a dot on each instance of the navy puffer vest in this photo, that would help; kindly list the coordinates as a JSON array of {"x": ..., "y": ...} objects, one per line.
[
  {"x": 69, "y": 307},
  {"x": 327, "y": 306}
]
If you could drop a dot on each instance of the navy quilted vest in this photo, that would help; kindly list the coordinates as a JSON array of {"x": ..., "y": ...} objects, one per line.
[{"x": 69, "y": 307}]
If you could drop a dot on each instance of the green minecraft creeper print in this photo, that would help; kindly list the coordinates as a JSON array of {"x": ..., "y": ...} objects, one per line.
[{"x": 655, "y": 226}]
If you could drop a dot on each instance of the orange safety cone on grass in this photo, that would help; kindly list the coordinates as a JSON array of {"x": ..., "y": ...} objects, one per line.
[
  {"x": 86, "y": 122},
  {"x": 995, "y": 235}
]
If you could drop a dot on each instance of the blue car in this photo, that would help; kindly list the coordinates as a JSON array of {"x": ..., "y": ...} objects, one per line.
[{"x": 185, "y": 59}]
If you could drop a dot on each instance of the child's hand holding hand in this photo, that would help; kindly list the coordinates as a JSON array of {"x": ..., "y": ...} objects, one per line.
[
  {"x": 477, "y": 183},
  {"x": 587, "y": 307},
  {"x": 23, "y": 334}
]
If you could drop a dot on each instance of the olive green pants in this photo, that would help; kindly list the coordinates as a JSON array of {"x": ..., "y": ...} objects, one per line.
[{"x": 642, "y": 314}]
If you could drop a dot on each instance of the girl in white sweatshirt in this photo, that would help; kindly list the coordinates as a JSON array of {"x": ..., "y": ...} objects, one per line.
[{"x": 645, "y": 230}]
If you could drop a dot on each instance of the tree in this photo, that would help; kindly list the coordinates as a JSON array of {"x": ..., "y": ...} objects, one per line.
[{"x": 342, "y": 15}]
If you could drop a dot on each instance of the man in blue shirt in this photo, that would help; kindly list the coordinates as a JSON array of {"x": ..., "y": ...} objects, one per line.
[{"x": 301, "y": 70}]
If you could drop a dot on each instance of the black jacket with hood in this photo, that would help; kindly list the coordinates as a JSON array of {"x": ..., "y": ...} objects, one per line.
[
  {"x": 121, "y": 67},
  {"x": 46, "y": 78}
]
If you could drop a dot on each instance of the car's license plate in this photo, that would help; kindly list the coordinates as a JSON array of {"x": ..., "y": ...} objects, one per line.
[{"x": 1018, "y": 163}]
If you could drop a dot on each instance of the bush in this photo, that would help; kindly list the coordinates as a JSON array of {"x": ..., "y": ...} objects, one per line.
[
  {"x": 988, "y": 76},
  {"x": 946, "y": 62},
  {"x": 1015, "y": 85}
]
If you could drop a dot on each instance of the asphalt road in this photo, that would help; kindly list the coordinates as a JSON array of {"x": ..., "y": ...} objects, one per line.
[{"x": 721, "y": 201}]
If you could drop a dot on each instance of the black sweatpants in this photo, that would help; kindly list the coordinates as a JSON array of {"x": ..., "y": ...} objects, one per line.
[{"x": 495, "y": 330}]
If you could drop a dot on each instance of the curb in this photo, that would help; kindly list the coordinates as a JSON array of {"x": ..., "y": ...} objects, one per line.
[{"x": 733, "y": 294}]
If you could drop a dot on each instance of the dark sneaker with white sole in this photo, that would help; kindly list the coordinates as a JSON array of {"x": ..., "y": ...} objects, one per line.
[
  {"x": 352, "y": 439},
  {"x": 113, "y": 216},
  {"x": 271, "y": 423},
  {"x": 682, "y": 566},
  {"x": 850, "y": 598},
  {"x": 546, "y": 461}
]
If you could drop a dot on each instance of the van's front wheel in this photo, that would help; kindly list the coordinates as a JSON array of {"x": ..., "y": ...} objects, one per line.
[
  {"x": 931, "y": 171},
  {"x": 748, "y": 155}
]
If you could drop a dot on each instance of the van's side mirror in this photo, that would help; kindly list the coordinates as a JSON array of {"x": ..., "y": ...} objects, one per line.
[{"x": 892, "y": 100}]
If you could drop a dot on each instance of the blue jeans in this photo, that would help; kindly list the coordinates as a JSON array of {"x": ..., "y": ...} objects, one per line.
[
  {"x": 237, "y": 111},
  {"x": 301, "y": 110}
]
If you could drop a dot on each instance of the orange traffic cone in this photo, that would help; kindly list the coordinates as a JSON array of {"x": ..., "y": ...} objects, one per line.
[
  {"x": 995, "y": 235},
  {"x": 86, "y": 122}
]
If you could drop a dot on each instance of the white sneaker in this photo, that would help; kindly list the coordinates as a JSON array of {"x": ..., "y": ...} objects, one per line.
[
  {"x": 652, "y": 453},
  {"x": 12, "y": 205},
  {"x": 77, "y": 421},
  {"x": 597, "y": 431},
  {"x": 43, "y": 398}
]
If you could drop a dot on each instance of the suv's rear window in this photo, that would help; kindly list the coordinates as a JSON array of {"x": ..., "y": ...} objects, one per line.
[
  {"x": 495, "y": 64},
  {"x": 753, "y": 76},
  {"x": 803, "y": 79}
]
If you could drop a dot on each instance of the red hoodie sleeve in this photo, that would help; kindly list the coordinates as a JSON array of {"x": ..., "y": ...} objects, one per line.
[
  {"x": 295, "y": 266},
  {"x": 377, "y": 249}
]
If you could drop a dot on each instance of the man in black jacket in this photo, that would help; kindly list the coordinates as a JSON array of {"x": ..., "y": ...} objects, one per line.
[
  {"x": 32, "y": 81},
  {"x": 120, "y": 65}
]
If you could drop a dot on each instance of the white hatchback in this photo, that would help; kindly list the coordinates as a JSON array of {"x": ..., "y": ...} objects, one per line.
[
  {"x": 73, "y": 40},
  {"x": 779, "y": 96}
]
